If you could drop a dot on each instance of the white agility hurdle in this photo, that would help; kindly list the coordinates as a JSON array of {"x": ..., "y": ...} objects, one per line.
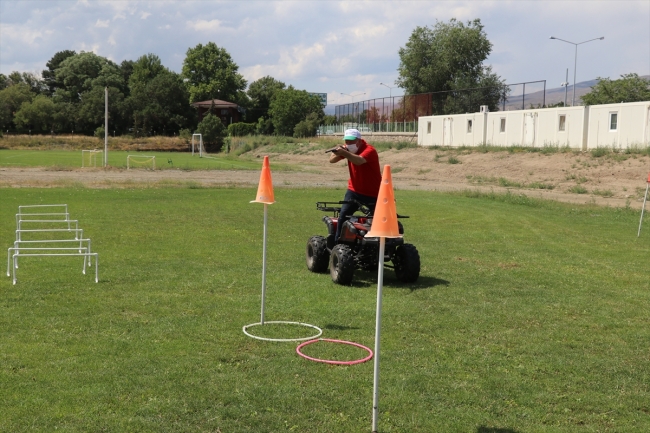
[
  {"x": 77, "y": 232},
  {"x": 47, "y": 216},
  {"x": 84, "y": 254},
  {"x": 24, "y": 211},
  {"x": 17, "y": 247},
  {"x": 68, "y": 222}
]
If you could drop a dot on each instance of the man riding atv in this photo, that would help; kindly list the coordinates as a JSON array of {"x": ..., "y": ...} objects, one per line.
[
  {"x": 365, "y": 175},
  {"x": 346, "y": 248}
]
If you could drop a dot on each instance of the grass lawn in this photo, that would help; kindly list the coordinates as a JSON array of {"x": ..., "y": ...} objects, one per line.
[
  {"x": 117, "y": 158},
  {"x": 528, "y": 317}
]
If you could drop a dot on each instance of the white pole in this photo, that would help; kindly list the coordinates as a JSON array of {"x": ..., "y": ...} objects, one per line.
[
  {"x": 643, "y": 208},
  {"x": 264, "y": 261},
  {"x": 105, "y": 126},
  {"x": 380, "y": 284}
]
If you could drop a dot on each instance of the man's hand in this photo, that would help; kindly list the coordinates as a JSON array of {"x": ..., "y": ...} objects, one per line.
[{"x": 342, "y": 153}]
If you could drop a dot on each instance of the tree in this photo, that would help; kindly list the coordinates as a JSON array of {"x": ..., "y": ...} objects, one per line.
[
  {"x": 49, "y": 74},
  {"x": 628, "y": 88},
  {"x": 211, "y": 74},
  {"x": 212, "y": 132},
  {"x": 76, "y": 75},
  {"x": 290, "y": 107},
  {"x": 37, "y": 115},
  {"x": 161, "y": 103},
  {"x": 307, "y": 127},
  {"x": 11, "y": 100},
  {"x": 81, "y": 80},
  {"x": 144, "y": 70},
  {"x": 261, "y": 93},
  {"x": 449, "y": 57}
]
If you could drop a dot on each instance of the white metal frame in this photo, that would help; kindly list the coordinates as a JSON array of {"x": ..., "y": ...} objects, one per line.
[
  {"x": 84, "y": 254},
  {"x": 149, "y": 157},
  {"x": 200, "y": 144},
  {"x": 17, "y": 247},
  {"x": 92, "y": 155},
  {"x": 78, "y": 233},
  {"x": 32, "y": 214}
]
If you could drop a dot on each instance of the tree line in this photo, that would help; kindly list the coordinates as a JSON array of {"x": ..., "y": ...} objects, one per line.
[{"x": 147, "y": 98}]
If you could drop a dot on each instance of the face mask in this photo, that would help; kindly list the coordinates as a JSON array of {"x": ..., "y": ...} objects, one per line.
[{"x": 352, "y": 148}]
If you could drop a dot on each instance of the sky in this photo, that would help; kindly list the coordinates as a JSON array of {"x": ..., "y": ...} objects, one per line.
[{"x": 342, "y": 48}]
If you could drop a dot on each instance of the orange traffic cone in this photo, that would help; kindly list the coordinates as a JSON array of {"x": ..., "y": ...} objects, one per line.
[
  {"x": 265, "y": 188},
  {"x": 384, "y": 221},
  {"x": 648, "y": 177}
]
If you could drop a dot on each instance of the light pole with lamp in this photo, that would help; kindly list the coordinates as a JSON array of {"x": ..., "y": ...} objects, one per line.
[
  {"x": 353, "y": 96},
  {"x": 565, "y": 85},
  {"x": 575, "y": 65},
  {"x": 390, "y": 89}
]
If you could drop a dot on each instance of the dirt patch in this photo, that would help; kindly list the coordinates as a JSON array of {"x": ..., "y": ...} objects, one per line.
[{"x": 614, "y": 180}]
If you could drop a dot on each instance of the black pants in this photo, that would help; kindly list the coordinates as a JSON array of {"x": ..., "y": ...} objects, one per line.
[{"x": 350, "y": 208}]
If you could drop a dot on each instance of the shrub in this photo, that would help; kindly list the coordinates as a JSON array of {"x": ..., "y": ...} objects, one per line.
[
  {"x": 212, "y": 131},
  {"x": 599, "y": 151},
  {"x": 185, "y": 134},
  {"x": 241, "y": 129},
  {"x": 99, "y": 133},
  {"x": 307, "y": 127},
  {"x": 264, "y": 126}
]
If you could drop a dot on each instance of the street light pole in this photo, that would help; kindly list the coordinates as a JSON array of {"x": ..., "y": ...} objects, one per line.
[
  {"x": 575, "y": 64},
  {"x": 390, "y": 89}
]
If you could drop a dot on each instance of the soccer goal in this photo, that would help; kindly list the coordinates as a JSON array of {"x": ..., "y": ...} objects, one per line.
[
  {"x": 199, "y": 143},
  {"x": 89, "y": 157},
  {"x": 141, "y": 161}
]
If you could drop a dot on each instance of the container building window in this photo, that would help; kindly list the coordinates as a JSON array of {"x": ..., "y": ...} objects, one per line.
[
  {"x": 428, "y": 127},
  {"x": 562, "y": 123},
  {"x": 469, "y": 126},
  {"x": 503, "y": 125},
  {"x": 613, "y": 121}
]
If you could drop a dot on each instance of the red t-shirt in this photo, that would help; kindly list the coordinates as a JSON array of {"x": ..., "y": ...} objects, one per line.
[{"x": 365, "y": 179}]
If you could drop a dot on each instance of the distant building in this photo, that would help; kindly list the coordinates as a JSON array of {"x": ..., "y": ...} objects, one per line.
[{"x": 228, "y": 112}]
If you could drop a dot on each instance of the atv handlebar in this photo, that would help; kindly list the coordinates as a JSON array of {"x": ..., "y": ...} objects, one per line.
[{"x": 327, "y": 207}]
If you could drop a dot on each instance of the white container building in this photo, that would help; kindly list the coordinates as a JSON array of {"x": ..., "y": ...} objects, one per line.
[
  {"x": 619, "y": 126},
  {"x": 622, "y": 125}
]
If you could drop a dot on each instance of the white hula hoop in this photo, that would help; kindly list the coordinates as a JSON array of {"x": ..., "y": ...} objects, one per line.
[{"x": 320, "y": 331}]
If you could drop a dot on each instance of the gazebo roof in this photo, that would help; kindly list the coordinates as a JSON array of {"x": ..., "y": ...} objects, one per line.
[{"x": 218, "y": 103}]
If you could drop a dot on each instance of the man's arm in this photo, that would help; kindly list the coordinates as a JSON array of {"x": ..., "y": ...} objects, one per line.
[{"x": 342, "y": 153}]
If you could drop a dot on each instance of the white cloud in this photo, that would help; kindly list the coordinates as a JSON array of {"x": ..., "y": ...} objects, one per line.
[
  {"x": 330, "y": 46},
  {"x": 204, "y": 25}
]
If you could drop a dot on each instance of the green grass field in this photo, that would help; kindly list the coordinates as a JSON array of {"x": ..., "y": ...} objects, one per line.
[
  {"x": 529, "y": 316},
  {"x": 117, "y": 158}
]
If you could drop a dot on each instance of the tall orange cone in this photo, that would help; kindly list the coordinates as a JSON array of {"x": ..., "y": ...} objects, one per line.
[
  {"x": 265, "y": 188},
  {"x": 384, "y": 221}
]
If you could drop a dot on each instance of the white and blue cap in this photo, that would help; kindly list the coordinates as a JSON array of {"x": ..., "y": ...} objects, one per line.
[{"x": 351, "y": 134}]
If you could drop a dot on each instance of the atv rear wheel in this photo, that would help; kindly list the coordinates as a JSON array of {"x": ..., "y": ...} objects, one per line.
[
  {"x": 317, "y": 254},
  {"x": 407, "y": 263},
  {"x": 341, "y": 264}
]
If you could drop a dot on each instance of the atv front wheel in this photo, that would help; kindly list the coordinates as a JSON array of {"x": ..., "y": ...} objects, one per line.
[
  {"x": 317, "y": 254},
  {"x": 407, "y": 263},
  {"x": 342, "y": 264}
]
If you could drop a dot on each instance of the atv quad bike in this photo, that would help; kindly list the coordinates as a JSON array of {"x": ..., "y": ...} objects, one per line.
[{"x": 355, "y": 251}]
